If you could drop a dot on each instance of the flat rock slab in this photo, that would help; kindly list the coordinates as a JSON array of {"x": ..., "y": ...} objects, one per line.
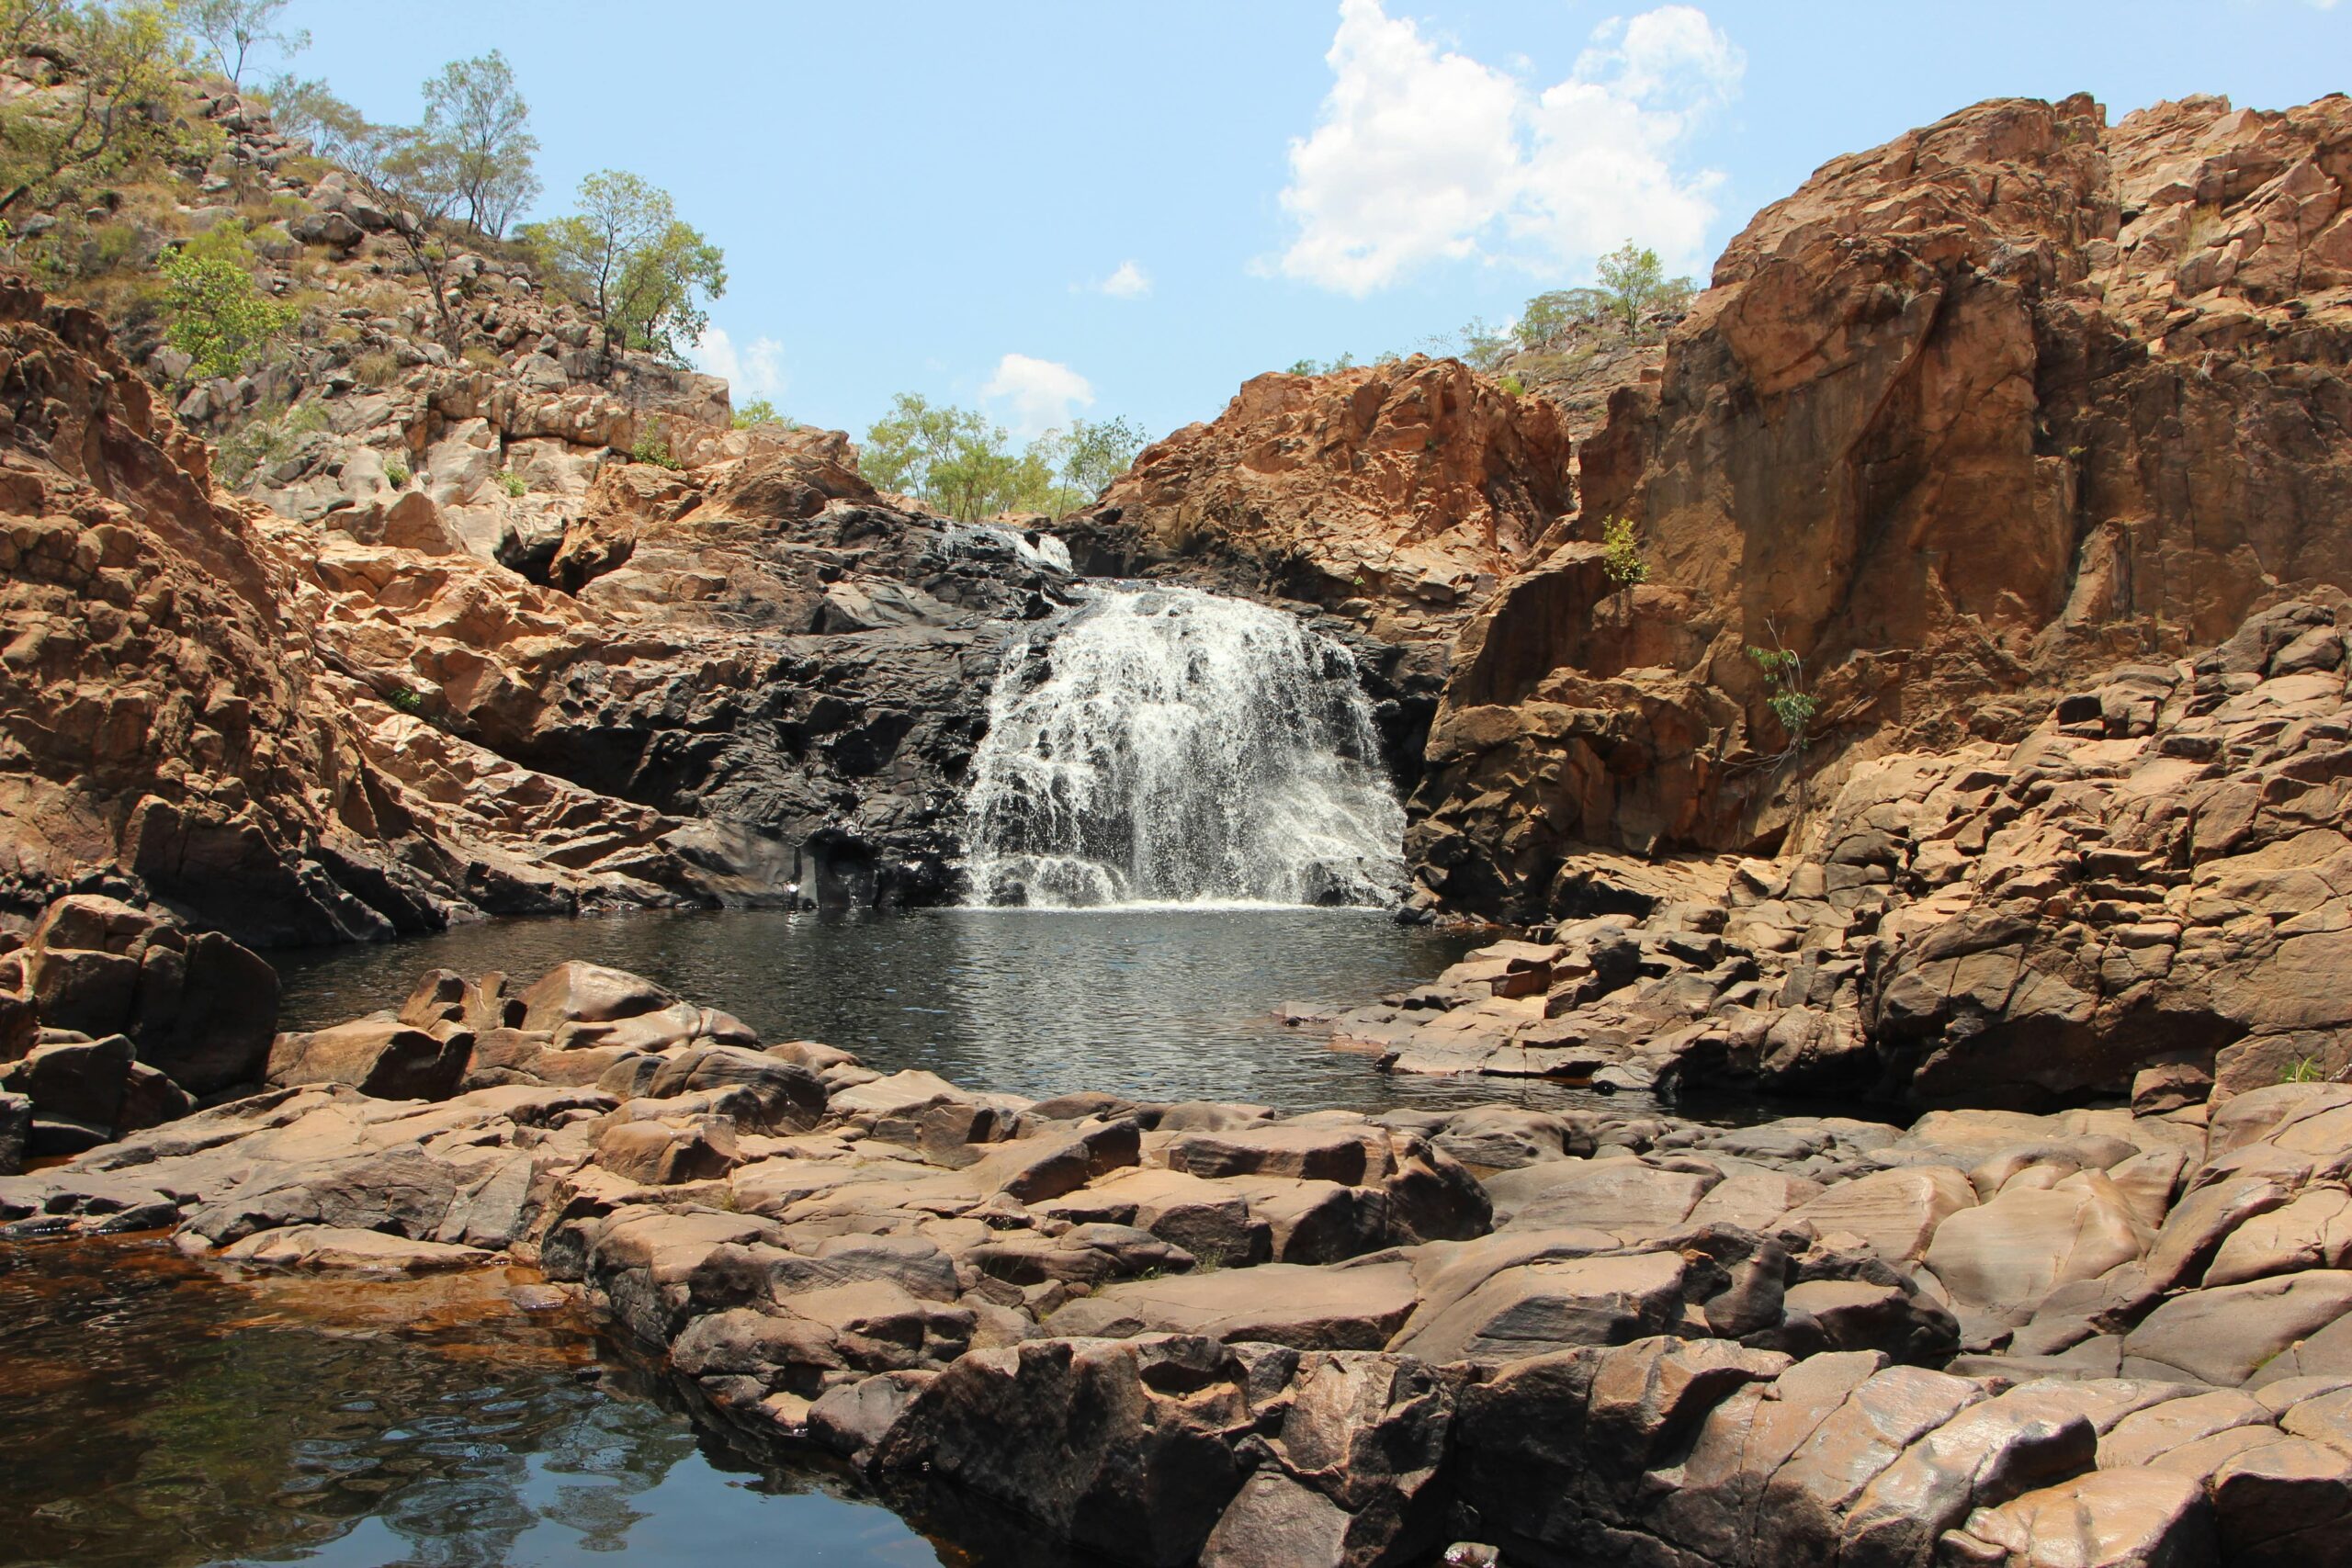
[
  {"x": 339, "y": 1248},
  {"x": 1304, "y": 1307}
]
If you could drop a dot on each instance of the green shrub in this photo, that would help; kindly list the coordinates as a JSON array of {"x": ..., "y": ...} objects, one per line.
[
  {"x": 397, "y": 472},
  {"x": 655, "y": 449},
  {"x": 513, "y": 483},
  {"x": 379, "y": 368},
  {"x": 219, "y": 316},
  {"x": 2302, "y": 1069},
  {"x": 759, "y": 410},
  {"x": 1621, "y": 557},
  {"x": 1791, "y": 704},
  {"x": 1513, "y": 387},
  {"x": 405, "y": 699}
]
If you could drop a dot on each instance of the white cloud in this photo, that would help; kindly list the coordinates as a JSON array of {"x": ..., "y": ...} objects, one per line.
[
  {"x": 1129, "y": 282},
  {"x": 1423, "y": 154},
  {"x": 1039, "y": 393},
  {"x": 755, "y": 370}
]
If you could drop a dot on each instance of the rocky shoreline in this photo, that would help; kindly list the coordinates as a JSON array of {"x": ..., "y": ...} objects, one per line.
[{"x": 1177, "y": 1333}]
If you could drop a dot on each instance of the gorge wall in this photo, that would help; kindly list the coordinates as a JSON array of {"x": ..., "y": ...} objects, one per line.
[{"x": 2011, "y": 399}]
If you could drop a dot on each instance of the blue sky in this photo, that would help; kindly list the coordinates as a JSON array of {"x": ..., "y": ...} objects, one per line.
[{"x": 1126, "y": 208}]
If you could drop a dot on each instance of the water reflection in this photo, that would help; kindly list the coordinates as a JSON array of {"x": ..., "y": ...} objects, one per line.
[
  {"x": 153, "y": 1412},
  {"x": 1175, "y": 1004}
]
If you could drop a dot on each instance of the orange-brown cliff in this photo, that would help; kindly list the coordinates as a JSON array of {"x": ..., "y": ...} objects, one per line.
[{"x": 2005, "y": 401}]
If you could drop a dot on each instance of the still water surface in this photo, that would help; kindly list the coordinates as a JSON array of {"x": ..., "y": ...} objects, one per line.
[
  {"x": 154, "y": 1410},
  {"x": 159, "y": 1413},
  {"x": 1155, "y": 1003}
]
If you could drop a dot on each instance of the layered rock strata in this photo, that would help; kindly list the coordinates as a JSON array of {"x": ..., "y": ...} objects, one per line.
[
  {"x": 749, "y": 680},
  {"x": 1168, "y": 1334},
  {"x": 2153, "y": 881},
  {"x": 1951, "y": 426}
]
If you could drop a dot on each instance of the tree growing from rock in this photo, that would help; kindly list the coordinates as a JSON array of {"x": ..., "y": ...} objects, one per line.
[
  {"x": 1099, "y": 451},
  {"x": 411, "y": 177},
  {"x": 641, "y": 271},
  {"x": 219, "y": 316},
  {"x": 124, "y": 59},
  {"x": 1634, "y": 285},
  {"x": 227, "y": 32},
  {"x": 474, "y": 107}
]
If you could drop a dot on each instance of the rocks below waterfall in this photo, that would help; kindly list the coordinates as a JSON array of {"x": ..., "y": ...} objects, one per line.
[{"x": 1166, "y": 1332}]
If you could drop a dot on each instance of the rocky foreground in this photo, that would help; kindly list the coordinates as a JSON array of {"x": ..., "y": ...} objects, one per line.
[{"x": 1164, "y": 1333}]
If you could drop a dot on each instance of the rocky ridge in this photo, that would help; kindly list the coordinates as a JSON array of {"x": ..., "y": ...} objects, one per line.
[
  {"x": 1948, "y": 426},
  {"x": 2152, "y": 882}
]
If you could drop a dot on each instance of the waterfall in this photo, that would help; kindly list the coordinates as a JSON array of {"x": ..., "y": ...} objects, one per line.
[{"x": 1162, "y": 745}]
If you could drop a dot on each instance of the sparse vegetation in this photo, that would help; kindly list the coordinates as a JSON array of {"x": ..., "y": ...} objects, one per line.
[
  {"x": 644, "y": 275},
  {"x": 513, "y": 484},
  {"x": 123, "y": 58},
  {"x": 2303, "y": 1069},
  {"x": 654, "y": 447},
  {"x": 1792, "y": 704},
  {"x": 759, "y": 410},
  {"x": 397, "y": 475},
  {"x": 268, "y": 436},
  {"x": 219, "y": 316}
]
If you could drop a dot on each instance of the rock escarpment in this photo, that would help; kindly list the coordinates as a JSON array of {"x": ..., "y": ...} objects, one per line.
[
  {"x": 1175, "y": 1333},
  {"x": 729, "y": 679},
  {"x": 1999, "y": 403},
  {"x": 2153, "y": 879}
]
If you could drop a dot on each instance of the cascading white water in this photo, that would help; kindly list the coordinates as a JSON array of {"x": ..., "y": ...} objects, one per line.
[{"x": 1163, "y": 745}]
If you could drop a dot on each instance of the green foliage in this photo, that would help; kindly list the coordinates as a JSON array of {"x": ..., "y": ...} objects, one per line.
[
  {"x": 1633, "y": 284},
  {"x": 2303, "y": 1069},
  {"x": 513, "y": 484},
  {"x": 1513, "y": 387},
  {"x": 124, "y": 58},
  {"x": 271, "y": 433},
  {"x": 1098, "y": 451},
  {"x": 217, "y": 315},
  {"x": 1621, "y": 557},
  {"x": 1792, "y": 704},
  {"x": 300, "y": 106},
  {"x": 473, "y": 108},
  {"x": 226, "y": 32},
  {"x": 626, "y": 256},
  {"x": 654, "y": 447},
  {"x": 961, "y": 464},
  {"x": 759, "y": 410},
  {"x": 405, "y": 699},
  {"x": 396, "y": 473},
  {"x": 1323, "y": 367}
]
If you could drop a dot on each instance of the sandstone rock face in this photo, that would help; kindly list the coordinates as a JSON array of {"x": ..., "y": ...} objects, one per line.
[
  {"x": 2146, "y": 891},
  {"x": 1401, "y": 492},
  {"x": 1948, "y": 424}
]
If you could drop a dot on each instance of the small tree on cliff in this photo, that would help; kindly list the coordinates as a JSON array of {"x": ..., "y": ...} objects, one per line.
[
  {"x": 1633, "y": 284},
  {"x": 219, "y": 317},
  {"x": 123, "y": 58},
  {"x": 641, "y": 273},
  {"x": 474, "y": 107},
  {"x": 226, "y": 32},
  {"x": 410, "y": 175}
]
